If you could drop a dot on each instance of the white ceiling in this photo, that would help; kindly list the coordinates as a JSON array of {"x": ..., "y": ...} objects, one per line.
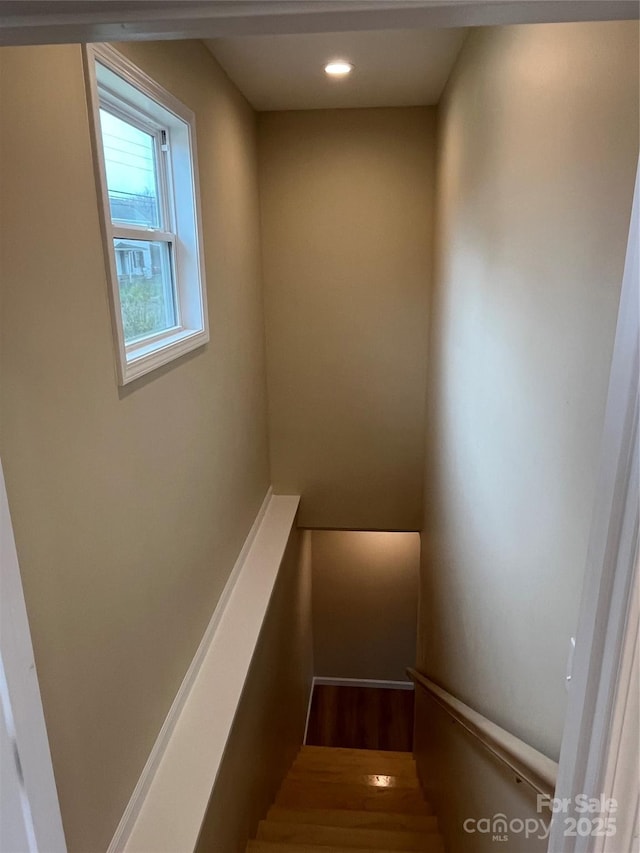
[{"x": 392, "y": 68}]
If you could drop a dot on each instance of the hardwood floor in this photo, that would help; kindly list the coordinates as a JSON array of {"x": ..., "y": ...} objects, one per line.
[{"x": 361, "y": 718}]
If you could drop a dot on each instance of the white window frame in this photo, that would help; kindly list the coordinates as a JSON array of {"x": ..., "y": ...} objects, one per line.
[{"x": 137, "y": 99}]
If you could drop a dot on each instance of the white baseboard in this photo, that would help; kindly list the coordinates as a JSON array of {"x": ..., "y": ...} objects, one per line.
[
  {"x": 362, "y": 682},
  {"x": 132, "y": 811}
]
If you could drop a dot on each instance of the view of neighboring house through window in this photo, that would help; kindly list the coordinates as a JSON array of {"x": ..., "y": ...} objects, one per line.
[{"x": 147, "y": 179}]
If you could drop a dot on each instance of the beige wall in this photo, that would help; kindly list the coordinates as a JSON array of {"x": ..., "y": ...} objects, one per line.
[
  {"x": 365, "y": 601},
  {"x": 346, "y": 198},
  {"x": 537, "y": 151},
  {"x": 129, "y": 507},
  {"x": 465, "y": 782},
  {"x": 269, "y": 726}
]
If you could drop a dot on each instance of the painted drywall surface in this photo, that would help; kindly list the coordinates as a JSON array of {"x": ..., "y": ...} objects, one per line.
[
  {"x": 365, "y": 601},
  {"x": 129, "y": 507},
  {"x": 269, "y": 726},
  {"x": 470, "y": 789},
  {"x": 537, "y": 150},
  {"x": 346, "y": 202}
]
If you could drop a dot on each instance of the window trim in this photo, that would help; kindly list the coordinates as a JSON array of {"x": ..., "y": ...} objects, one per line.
[{"x": 147, "y": 354}]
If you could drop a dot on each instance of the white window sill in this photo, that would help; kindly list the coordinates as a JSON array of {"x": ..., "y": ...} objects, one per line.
[{"x": 142, "y": 359}]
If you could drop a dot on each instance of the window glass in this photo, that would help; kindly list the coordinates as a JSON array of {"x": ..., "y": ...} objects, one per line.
[
  {"x": 131, "y": 167},
  {"x": 146, "y": 291}
]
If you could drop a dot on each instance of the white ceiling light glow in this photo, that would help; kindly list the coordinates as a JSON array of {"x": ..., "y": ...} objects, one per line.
[{"x": 338, "y": 68}]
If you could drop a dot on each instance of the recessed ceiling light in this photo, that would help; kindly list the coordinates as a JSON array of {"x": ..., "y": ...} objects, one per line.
[{"x": 338, "y": 68}]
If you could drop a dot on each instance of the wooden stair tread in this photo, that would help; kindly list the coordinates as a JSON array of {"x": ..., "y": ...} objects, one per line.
[
  {"x": 354, "y": 818},
  {"x": 337, "y": 800},
  {"x": 353, "y": 776},
  {"x": 356, "y": 763},
  {"x": 339, "y": 752},
  {"x": 278, "y": 847},
  {"x": 339, "y": 757},
  {"x": 295, "y": 793},
  {"x": 353, "y": 837}
]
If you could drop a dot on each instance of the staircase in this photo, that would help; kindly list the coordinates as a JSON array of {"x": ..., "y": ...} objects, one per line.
[{"x": 341, "y": 800}]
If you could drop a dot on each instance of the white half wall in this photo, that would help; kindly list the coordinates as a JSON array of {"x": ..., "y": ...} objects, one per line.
[
  {"x": 269, "y": 725},
  {"x": 168, "y": 806}
]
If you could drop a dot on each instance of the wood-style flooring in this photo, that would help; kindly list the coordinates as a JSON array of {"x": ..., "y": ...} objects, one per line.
[
  {"x": 349, "y": 800},
  {"x": 361, "y": 718}
]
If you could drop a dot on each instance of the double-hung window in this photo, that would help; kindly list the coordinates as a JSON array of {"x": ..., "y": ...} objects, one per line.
[{"x": 144, "y": 145}]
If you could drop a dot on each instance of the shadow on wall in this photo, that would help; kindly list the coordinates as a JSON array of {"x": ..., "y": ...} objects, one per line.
[
  {"x": 269, "y": 723},
  {"x": 365, "y": 603}
]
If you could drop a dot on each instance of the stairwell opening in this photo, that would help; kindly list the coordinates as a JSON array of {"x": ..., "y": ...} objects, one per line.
[{"x": 364, "y": 605}]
